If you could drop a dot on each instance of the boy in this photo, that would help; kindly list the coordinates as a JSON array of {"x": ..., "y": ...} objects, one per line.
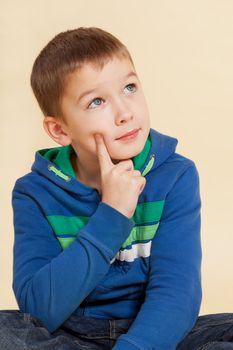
[{"x": 107, "y": 247}]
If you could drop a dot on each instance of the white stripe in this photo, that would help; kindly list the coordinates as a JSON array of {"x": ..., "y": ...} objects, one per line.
[{"x": 137, "y": 250}]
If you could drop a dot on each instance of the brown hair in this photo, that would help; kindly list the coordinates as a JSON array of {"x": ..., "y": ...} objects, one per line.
[{"x": 65, "y": 53}]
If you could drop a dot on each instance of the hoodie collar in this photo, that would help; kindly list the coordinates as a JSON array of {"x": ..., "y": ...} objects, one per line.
[
  {"x": 158, "y": 147},
  {"x": 60, "y": 156}
]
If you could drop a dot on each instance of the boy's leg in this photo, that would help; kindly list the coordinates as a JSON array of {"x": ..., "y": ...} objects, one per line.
[
  {"x": 211, "y": 332},
  {"x": 21, "y": 331}
]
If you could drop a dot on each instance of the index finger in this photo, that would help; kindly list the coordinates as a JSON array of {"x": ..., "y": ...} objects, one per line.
[{"x": 102, "y": 153}]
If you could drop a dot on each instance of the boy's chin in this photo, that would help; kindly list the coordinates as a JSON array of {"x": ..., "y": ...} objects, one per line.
[{"x": 125, "y": 157}]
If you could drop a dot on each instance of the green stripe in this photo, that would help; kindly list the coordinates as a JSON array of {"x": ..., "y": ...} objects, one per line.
[
  {"x": 148, "y": 212},
  {"x": 144, "y": 217},
  {"x": 67, "y": 224},
  {"x": 141, "y": 233},
  {"x": 144, "y": 213},
  {"x": 65, "y": 242}
]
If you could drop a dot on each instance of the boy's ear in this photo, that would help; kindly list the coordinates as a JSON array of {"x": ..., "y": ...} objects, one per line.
[{"x": 56, "y": 130}]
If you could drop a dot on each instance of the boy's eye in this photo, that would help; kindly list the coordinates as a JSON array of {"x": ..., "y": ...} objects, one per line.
[
  {"x": 134, "y": 85},
  {"x": 98, "y": 99}
]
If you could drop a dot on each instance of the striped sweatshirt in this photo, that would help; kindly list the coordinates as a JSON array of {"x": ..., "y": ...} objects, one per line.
[{"x": 76, "y": 255}]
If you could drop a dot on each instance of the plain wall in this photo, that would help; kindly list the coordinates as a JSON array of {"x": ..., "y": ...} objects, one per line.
[{"x": 183, "y": 53}]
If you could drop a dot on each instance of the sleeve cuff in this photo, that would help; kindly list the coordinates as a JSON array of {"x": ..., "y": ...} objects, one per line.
[{"x": 109, "y": 226}]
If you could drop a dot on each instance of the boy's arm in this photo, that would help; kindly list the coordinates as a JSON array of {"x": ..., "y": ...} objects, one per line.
[
  {"x": 173, "y": 293},
  {"x": 50, "y": 283}
]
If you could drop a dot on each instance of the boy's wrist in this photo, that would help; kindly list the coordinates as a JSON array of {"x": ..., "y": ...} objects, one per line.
[
  {"x": 108, "y": 226},
  {"x": 119, "y": 210}
]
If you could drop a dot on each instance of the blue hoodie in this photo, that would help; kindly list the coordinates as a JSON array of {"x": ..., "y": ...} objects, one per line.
[{"x": 74, "y": 254}]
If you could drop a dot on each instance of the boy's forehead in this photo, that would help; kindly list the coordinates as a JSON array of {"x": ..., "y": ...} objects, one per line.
[
  {"x": 109, "y": 64},
  {"x": 89, "y": 76}
]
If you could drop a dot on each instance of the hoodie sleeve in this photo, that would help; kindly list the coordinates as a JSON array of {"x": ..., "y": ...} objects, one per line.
[
  {"x": 173, "y": 294},
  {"x": 50, "y": 283}
]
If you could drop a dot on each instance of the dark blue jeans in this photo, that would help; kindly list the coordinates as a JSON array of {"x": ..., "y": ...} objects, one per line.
[
  {"x": 19, "y": 331},
  {"x": 211, "y": 332}
]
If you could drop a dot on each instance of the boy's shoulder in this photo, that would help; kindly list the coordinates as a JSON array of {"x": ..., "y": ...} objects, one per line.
[
  {"x": 164, "y": 148},
  {"x": 181, "y": 160},
  {"x": 179, "y": 166},
  {"x": 43, "y": 171},
  {"x": 175, "y": 165},
  {"x": 26, "y": 182}
]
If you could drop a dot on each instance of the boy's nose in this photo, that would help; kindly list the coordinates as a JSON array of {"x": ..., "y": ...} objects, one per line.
[{"x": 122, "y": 113}]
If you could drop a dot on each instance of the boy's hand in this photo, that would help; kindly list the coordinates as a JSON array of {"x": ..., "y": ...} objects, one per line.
[{"x": 120, "y": 183}]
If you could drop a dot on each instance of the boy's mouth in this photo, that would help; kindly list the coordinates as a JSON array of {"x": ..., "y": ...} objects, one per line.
[{"x": 129, "y": 135}]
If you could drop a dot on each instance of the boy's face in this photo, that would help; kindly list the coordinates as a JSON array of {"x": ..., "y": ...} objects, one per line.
[{"x": 116, "y": 107}]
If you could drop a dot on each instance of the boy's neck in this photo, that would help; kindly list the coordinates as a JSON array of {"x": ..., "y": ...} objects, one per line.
[{"x": 90, "y": 178}]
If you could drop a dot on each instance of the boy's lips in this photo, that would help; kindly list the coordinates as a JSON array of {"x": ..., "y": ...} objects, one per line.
[{"x": 132, "y": 132}]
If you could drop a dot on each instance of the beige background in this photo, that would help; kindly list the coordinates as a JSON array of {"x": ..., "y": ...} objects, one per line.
[{"x": 183, "y": 52}]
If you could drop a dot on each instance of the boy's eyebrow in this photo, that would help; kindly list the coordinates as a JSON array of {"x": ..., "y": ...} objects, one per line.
[{"x": 131, "y": 74}]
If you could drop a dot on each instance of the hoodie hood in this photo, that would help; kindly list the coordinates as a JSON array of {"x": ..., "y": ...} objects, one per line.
[{"x": 54, "y": 163}]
